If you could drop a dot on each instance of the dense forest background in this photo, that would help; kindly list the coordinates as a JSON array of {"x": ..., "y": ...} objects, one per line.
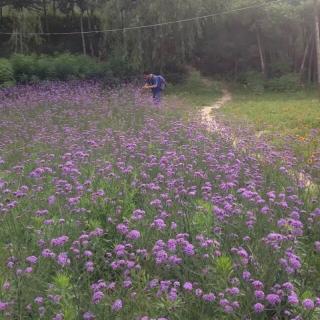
[{"x": 273, "y": 38}]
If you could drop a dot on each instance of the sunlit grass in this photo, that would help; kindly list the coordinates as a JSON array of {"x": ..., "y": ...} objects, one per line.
[
  {"x": 196, "y": 91},
  {"x": 283, "y": 114}
]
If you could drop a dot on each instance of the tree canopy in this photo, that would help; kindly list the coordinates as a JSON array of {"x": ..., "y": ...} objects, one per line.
[{"x": 273, "y": 37}]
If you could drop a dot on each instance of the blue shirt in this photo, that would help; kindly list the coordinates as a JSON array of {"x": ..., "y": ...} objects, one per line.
[{"x": 155, "y": 80}]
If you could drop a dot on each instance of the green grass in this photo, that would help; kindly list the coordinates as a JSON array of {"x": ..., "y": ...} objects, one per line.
[
  {"x": 196, "y": 91},
  {"x": 286, "y": 114}
]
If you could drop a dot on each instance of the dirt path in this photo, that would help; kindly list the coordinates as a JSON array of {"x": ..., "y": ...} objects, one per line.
[{"x": 206, "y": 112}]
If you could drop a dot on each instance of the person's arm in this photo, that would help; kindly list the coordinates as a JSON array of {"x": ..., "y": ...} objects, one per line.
[
  {"x": 146, "y": 85},
  {"x": 151, "y": 86}
]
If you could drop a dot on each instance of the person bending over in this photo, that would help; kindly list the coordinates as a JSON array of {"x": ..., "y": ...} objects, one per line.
[{"x": 156, "y": 83}]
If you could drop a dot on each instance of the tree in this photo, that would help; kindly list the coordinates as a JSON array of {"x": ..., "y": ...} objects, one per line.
[
  {"x": 21, "y": 4},
  {"x": 271, "y": 37},
  {"x": 304, "y": 58},
  {"x": 317, "y": 39},
  {"x": 93, "y": 5},
  {"x": 22, "y": 14},
  {"x": 83, "y": 6}
]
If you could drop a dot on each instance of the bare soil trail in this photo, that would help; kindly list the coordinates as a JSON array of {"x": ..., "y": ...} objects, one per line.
[{"x": 207, "y": 116}]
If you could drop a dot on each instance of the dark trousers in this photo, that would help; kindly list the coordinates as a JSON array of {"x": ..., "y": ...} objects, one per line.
[{"x": 156, "y": 96}]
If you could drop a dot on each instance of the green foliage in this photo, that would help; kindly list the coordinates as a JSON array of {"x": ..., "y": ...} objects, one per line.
[
  {"x": 279, "y": 114},
  {"x": 6, "y": 73},
  {"x": 66, "y": 66},
  {"x": 46, "y": 68},
  {"x": 285, "y": 29},
  {"x": 62, "y": 281},
  {"x": 203, "y": 217},
  {"x": 287, "y": 83},
  {"x": 254, "y": 81},
  {"x": 30, "y": 68},
  {"x": 175, "y": 73},
  {"x": 23, "y": 66},
  {"x": 279, "y": 68},
  {"x": 196, "y": 90},
  {"x": 119, "y": 67},
  {"x": 224, "y": 265},
  {"x": 64, "y": 288}
]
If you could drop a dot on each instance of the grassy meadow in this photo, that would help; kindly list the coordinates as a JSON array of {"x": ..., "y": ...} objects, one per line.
[
  {"x": 196, "y": 91},
  {"x": 279, "y": 115}
]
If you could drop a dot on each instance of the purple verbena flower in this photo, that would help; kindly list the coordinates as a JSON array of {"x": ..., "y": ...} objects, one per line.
[
  {"x": 308, "y": 304},
  {"x": 117, "y": 305},
  {"x": 273, "y": 299},
  {"x": 258, "y": 308}
]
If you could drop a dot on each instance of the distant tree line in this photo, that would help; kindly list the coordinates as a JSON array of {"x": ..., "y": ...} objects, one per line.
[{"x": 273, "y": 38}]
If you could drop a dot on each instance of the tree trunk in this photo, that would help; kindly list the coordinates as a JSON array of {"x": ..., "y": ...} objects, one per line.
[
  {"x": 304, "y": 59},
  {"x": 16, "y": 40},
  {"x": 235, "y": 69},
  {"x": 161, "y": 51},
  {"x": 311, "y": 62},
  {"x": 54, "y": 7},
  {"x": 91, "y": 35},
  {"x": 261, "y": 54},
  {"x": 317, "y": 39},
  {"x": 45, "y": 14},
  {"x": 124, "y": 40},
  {"x": 21, "y": 23},
  {"x": 82, "y": 34}
]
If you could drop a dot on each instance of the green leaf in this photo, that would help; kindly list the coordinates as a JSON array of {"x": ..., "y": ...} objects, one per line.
[
  {"x": 62, "y": 281},
  {"x": 224, "y": 265}
]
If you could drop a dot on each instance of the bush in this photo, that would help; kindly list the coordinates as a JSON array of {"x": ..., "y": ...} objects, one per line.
[
  {"x": 175, "y": 73},
  {"x": 194, "y": 80},
  {"x": 286, "y": 83},
  {"x": 254, "y": 81},
  {"x": 31, "y": 68},
  {"x": 6, "y": 73},
  {"x": 66, "y": 66},
  {"x": 278, "y": 69},
  {"x": 46, "y": 69},
  {"x": 24, "y": 67},
  {"x": 120, "y": 68},
  {"x": 88, "y": 67}
]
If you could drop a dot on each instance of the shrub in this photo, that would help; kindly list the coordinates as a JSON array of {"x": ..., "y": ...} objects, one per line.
[
  {"x": 88, "y": 67},
  {"x": 175, "y": 73},
  {"x": 278, "y": 69},
  {"x": 76, "y": 66},
  {"x": 287, "y": 83},
  {"x": 30, "y": 68},
  {"x": 66, "y": 66},
  {"x": 23, "y": 66},
  {"x": 120, "y": 68},
  {"x": 253, "y": 80},
  {"x": 194, "y": 80},
  {"x": 46, "y": 69},
  {"x": 6, "y": 73}
]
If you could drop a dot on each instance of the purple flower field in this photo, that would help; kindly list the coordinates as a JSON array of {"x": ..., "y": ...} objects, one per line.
[{"x": 111, "y": 208}]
